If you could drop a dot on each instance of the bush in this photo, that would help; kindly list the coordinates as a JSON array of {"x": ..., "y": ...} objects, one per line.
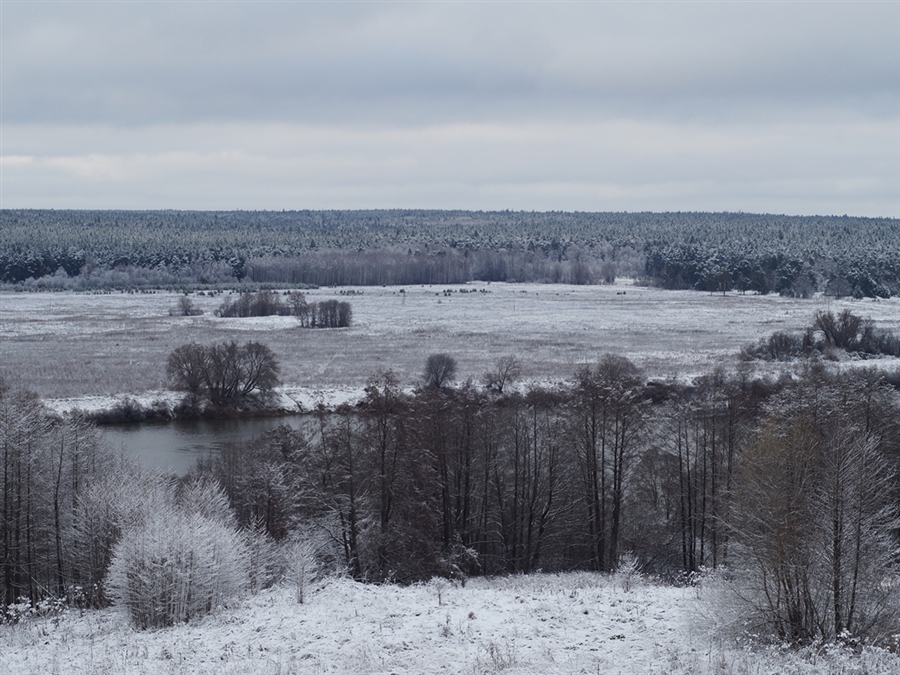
[
  {"x": 122, "y": 498},
  {"x": 781, "y": 346},
  {"x": 185, "y": 307},
  {"x": 182, "y": 562},
  {"x": 829, "y": 332}
]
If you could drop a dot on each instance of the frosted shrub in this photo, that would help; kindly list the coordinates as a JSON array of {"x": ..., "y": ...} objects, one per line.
[
  {"x": 501, "y": 656},
  {"x": 177, "y": 566},
  {"x": 120, "y": 500},
  {"x": 207, "y": 498},
  {"x": 263, "y": 557},
  {"x": 628, "y": 572},
  {"x": 26, "y": 609},
  {"x": 301, "y": 564}
]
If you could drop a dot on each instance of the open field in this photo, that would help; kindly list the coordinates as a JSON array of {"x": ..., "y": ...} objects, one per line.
[
  {"x": 569, "y": 623},
  {"x": 73, "y": 345}
]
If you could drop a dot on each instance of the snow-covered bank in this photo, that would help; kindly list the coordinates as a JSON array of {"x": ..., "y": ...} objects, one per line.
[
  {"x": 568, "y": 623},
  {"x": 287, "y": 400}
]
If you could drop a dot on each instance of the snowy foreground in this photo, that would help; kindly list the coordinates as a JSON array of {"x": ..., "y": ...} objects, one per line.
[{"x": 571, "y": 623}]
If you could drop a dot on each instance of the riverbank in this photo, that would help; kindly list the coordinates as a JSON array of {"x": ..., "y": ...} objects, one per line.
[{"x": 161, "y": 405}]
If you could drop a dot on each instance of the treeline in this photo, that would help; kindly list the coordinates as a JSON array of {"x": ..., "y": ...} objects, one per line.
[
  {"x": 788, "y": 484},
  {"x": 704, "y": 251},
  {"x": 795, "y": 273}
]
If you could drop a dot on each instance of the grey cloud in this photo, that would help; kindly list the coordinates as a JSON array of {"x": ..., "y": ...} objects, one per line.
[
  {"x": 144, "y": 63},
  {"x": 787, "y": 107}
]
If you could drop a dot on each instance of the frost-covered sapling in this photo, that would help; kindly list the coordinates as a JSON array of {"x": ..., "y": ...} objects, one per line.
[
  {"x": 301, "y": 564},
  {"x": 628, "y": 572}
]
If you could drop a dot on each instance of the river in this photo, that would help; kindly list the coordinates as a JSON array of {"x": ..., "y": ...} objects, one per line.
[{"x": 175, "y": 446}]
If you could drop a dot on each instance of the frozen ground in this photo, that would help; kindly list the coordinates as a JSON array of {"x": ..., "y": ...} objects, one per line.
[
  {"x": 571, "y": 623},
  {"x": 65, "y": 345}
]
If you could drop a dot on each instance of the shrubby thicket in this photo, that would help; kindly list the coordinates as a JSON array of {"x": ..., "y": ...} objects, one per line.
[
  {"x": 713, "y": 252},
  {"x": 830, "y": 335}
]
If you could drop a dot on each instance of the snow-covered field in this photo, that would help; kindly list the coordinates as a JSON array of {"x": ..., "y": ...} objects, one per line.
[
  {"x": 76, "y": 345},
  {"x": 569, "y": 623}
]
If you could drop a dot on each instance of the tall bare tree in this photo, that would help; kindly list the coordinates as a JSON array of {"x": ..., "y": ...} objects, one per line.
[{"x": 440, "y": 369}]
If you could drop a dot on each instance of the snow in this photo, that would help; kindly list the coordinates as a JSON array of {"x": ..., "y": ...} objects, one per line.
[
  {"x": 287, "y": 400},
  {"x": 567, "y": 623},
  {"x": 70, "y": 345}
]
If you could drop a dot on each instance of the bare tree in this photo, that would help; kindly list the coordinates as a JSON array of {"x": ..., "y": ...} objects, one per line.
[
  {"x": 440, "y": 369},
  {"x": 506, "y": 370},
  {"x": 297, "y": 302},
  {"x": 185, "y": 368},
  {"x": 185, "y": 307},
  {"x": 224, "y": 374},
  {"x": 814, "y": 518},
  {"x": 259, "y": 369}
]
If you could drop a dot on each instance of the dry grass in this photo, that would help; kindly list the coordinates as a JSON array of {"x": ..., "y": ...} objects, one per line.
[{"x": 66, "y": 345}]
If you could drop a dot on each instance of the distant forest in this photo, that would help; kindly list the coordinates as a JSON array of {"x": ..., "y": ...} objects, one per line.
[{"x": 717, "y": 252}]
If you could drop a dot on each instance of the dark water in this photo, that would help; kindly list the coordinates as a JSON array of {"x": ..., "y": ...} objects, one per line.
[{"x": 174, "y": 447}]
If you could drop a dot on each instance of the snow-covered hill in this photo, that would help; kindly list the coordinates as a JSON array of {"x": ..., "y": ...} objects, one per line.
[{"x": 569, "y": 623}]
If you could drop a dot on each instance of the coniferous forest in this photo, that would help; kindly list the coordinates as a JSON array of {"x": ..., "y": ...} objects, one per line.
[{"x": 790, "y": 255}]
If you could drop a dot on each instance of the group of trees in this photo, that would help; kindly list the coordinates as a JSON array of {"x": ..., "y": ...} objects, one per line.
[
  {"x": 324, "y": 314},
  {"x": 81, "y": 526},
  {"x": 770, "y": 479},
  {"x": 705, "y": 251},
  {"x": 815, "y": 515},
  {"x": 49, "y": 545},
  {"x": 222, "y": 375}
]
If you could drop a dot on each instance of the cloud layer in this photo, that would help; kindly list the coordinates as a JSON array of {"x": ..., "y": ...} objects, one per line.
[{"x": 777, "y": 107}]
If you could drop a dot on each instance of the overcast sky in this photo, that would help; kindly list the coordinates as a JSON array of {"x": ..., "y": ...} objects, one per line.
[{"x": 772, "y": 107}]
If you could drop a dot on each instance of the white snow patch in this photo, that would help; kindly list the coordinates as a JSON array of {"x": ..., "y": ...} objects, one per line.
[{"x": 568, "y": 623}]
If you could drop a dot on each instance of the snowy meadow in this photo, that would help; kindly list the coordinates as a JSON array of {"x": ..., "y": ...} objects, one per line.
[
  {"x": 536, "y": 624},
  {"x": 68, "y": 345}
]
